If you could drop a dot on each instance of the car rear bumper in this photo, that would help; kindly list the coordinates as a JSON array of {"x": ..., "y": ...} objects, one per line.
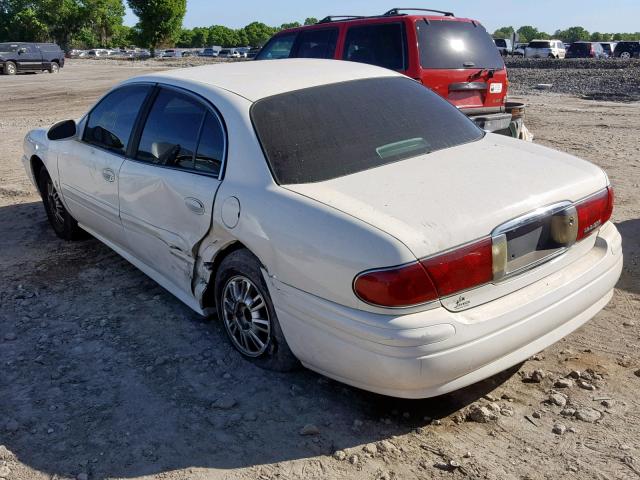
[
  {"x": 436, "y": 351},
  {"x": 494, "y": 122}
]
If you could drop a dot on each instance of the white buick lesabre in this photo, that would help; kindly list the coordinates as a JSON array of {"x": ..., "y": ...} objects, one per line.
[{"x": 338, "y": 214}]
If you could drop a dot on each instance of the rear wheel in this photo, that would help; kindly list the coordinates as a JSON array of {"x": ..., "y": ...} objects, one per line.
[
  {"x": 625, "y": 55},
  {"x": 10, "y": 68},
  {"x": 62, "y": 222},
  {"x": 247, "y": 313}
]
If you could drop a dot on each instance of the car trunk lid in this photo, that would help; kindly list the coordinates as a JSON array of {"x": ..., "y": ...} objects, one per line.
[{"x": 438, "y": 201}]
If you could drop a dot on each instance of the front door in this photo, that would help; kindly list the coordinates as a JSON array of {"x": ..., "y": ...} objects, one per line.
[
  {"x": 89, "y": 165},
  {"x": 167, "y": 190},
  {"x": 29, "y": 58}
]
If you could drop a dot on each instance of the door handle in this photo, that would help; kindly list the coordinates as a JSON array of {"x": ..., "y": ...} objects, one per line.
[
  {"x": 108, "y": 175},
  {"x": 195, "y": 205}
]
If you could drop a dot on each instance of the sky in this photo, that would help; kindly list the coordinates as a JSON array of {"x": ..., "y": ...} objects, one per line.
[{"x": 546, "y": 15}]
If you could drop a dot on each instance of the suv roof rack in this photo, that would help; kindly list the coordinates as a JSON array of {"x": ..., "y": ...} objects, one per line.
[
  {"x": 396, "y": 11},
  {"x": 337, "y": 18}
]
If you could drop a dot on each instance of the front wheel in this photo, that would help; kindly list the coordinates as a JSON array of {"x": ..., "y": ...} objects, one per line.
[
  {"x": 10, "y": 68},
  {"x": 54, "y": 67},
  {"x": 248, "y": 315},
  {"x": 62, "y": 222}
]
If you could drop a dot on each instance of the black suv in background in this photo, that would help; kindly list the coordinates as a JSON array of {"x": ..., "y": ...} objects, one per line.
[
  {"x": 627, "y": 50},
  {"x": 586, "y": 50},
  {"x": 18, "y": 57}
]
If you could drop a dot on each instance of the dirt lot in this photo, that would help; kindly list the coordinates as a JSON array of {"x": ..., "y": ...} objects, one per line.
[{"x": 104, "y": 374}]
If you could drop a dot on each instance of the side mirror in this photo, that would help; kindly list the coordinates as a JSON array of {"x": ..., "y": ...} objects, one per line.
[{"x": 62, "y": 130}]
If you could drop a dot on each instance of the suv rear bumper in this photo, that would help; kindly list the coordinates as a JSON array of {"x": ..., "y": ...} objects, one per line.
[
  {"x": 494, "y": 122},
  {"x": 435, "y": 351}
]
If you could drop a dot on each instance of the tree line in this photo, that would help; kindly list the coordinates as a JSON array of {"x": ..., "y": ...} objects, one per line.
[
  {"x": 527, "y": 33},
  {"x": 99, "y": 23}
]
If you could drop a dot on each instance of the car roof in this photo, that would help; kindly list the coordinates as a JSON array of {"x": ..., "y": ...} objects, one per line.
[{"x": 254, "y": 80}]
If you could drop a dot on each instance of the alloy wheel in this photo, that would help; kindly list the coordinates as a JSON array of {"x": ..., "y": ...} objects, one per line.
[
  {"x": 246, "y": 316},
  {"x": 55, "y": 204}
]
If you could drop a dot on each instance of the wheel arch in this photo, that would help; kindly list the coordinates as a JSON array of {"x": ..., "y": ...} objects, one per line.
[
  {"x": 36, "y": 167},
  {"x": 209, "y": 295}
]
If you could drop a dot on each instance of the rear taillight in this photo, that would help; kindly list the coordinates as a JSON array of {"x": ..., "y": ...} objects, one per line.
[
  {"x": 395, "y": 287},
  {"x": 461, "y": 268},
  {"x": 593, "y": 212},
  {"x": 470, "y": 265}
]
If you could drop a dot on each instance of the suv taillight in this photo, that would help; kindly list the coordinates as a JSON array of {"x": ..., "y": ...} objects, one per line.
[
  {"x": 464, "y": 267},
  {"x": 594, "y": 212}
]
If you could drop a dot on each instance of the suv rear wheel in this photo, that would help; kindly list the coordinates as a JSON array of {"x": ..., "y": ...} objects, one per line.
[
  {"x": 10, "y": 68},
  {"x": 625, "y": 55}
]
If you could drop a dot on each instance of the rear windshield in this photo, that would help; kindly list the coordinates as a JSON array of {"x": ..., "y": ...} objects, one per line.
[
  {"x": 540, "y": 45},
  {"x": 327, "y": 132},
  {"x": 500, "y": 42},
  {"x": 580, "y": 47},
  {"x": 449, "y": 44}
]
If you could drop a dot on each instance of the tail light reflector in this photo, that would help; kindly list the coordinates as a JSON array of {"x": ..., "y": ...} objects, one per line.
[{"x": 594, "y": 212}]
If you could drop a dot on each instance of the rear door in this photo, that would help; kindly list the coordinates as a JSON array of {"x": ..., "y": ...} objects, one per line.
[
  {"x": 29, "y": 58},
  {"x": 460, "y": 62},
  {"x": 167, "y": 188}
]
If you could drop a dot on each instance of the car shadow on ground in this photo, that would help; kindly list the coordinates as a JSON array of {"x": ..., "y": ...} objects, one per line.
[
  {"x": 106, "y": 373},
  {"x": 630, "y": 278}
]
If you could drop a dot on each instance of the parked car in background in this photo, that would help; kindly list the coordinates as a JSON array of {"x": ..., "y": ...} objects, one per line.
[
  {"x": 627, "y": 50},
  {"x": 455, "y": 57},
  {"x": 586, "y": 50},
  {"x": 16, "y": 57},
  {"x": 545, "y": 49},
  {"x": 210, "y": 51},
  {"x": 608, "y": 47},
  {"x": 98, "y": 52},
  {"x": 308, "y": 204},
  {"x": 229, "y": 53},
  {"x": 253, "y": 52},
  {"x": 504, "y": 45},
  {"x": 519, "y": 50}
]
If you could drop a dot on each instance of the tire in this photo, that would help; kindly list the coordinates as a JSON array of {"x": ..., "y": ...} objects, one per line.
[
  {"x": 239, "y": 278},
  {"x": 54, "y": 67},
  {"x": 63, "y": 224},
  {"x": 10, "y": 68},
  {"x": 625, "y": 55}
]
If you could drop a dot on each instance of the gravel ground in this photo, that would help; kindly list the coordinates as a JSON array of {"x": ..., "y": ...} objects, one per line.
[
  {"x": 610, "y": 79},
  {"x": 106, "y": 375}
]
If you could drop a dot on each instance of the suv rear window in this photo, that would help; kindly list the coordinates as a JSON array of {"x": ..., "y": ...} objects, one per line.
[
  {"x": 452, "y": 44},
  {"x": 580, "y": 47},
  {"x": 382, "y": 45},
  {"x": 326, "y": 132},
  {"x": 540, "y": 45}
]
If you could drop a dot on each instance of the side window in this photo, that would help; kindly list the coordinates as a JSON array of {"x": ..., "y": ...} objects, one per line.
[
  {"x": 211, "y": 146},
  {"x": 170, "y": 134},
  {"x": 381, "y": 45},
  {"x": 278, "y": 47},
  {"x": 316, "y": 44},
  {"x": 110, "y": 123}
]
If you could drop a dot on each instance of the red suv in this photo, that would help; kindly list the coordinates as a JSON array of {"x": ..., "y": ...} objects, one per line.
[{"x": 455, "y": 57}]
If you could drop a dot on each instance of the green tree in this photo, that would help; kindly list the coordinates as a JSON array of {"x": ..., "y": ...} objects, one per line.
[
  {"x": 573, "y": 34},
  {"x": 104, "y": 16},
  {"x": 310, "y": 21},
  {"x": 285, "y": 26},
  {"x": 528, "y": 33},
  {"x": 121, "y": 37},
  {"x": 64, "y": 18},
  {"x": 504, "y": 32},
  {"x": 158, "y": 20},
  {"x": 222, "y": 36},
  {"x": 200, "y": 37},
  {"x": 598, "y": 37},
  {"x": 185, "y": 38},
  {"x": 26, "y": 25},
  {"x": 258, "y": 33}
]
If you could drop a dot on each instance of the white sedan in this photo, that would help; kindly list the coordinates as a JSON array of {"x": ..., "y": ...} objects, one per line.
[{"x": 340, "y": 215}]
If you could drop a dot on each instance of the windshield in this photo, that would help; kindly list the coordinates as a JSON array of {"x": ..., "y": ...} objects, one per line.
[
  {"x": 326, "y": 132},
  {"x": 452, "y": 44},
  {"x": 540, "y": 45},
  {"x": 8, "y": 47},
  {"x": 580, "y": 47}
]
